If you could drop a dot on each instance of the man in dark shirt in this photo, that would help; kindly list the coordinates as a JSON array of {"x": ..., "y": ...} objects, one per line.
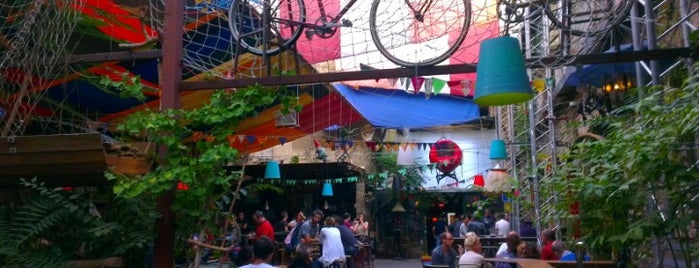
[
  {"x": 439, "y": 227},
  {"x": 349, "y": 242},
  {"x": 477, "y": 226},
  {"x": 444, "y": 254}
]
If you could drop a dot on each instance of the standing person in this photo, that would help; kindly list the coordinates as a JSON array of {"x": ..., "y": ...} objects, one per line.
[
  {"x": 502, "y": 226},
  {"x": 463, "y": 229},
  {"x": 455, "y": 228},
  {"x": 489, "y": 221},
  {"x": 444, "y": 254},
  {"x": 310, "y": 229},
  {"x": 439, "y": 227},
  {"x": 547, "y": 238},
  {"x": 281, "y": 227},
  {"x": 361, "y": 228},
  {"x": 473, "y": 251},
  {"x": 263, "y": 250},
  {"x": 477, "y": 226},
  {"x": 264, "y": 228},
  {"x": 331, "y": 241},
  {"x": 282, "y": 224},
  {"x": 245, "y": 227}
]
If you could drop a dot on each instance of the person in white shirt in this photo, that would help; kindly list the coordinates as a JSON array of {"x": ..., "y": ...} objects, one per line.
[
  {"x": 512, "y": 239},
  {"x": 472, "y": 256},
  {"x": 502, "y": 226},
  {"x": 332, "y": 243},
  {"x": 263, "y": 249}
]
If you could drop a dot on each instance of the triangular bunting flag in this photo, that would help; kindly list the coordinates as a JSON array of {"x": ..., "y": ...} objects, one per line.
[
  {"x": 438, "y": 85},
  {"x": 231, "y": 140},
  {"x": 466, "y": 87},
  {"x": 251, "y": 138},
  {"x": 241, "y": 138},
  {"x": 428, "y": 88},
  {"x": 262, "y": 139},
  {"x": 407, "y": 84},
  {"x": 404, "y": 146},
  {"x": 392, "y": 81},
  {"x": 282, "y": 140},
  {"x": 417, "y": 83}
]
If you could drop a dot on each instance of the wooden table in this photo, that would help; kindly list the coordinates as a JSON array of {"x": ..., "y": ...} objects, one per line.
[
  {"x": 535, "y": 263},
  {"x": 523, "y": 263}
]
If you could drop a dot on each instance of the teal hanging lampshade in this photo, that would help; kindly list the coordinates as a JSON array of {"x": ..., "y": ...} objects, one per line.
[
  {"x": 272, "y": 170},
  {"x": 497, "y": 150},
  {"x": 501, "y": 77},
  {"x": 327, "y": 189}
]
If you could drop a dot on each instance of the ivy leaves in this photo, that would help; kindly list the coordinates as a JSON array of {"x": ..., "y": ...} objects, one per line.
[
  {"x": 197, "y": 150},
  {"x": 623, "y": 184}
]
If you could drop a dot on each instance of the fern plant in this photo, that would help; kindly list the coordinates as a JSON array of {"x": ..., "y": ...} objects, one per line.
[{"x": 55, "y": 226}]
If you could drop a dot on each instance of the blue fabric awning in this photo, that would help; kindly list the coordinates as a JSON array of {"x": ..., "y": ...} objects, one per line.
[{"x": 390, "y": 108}]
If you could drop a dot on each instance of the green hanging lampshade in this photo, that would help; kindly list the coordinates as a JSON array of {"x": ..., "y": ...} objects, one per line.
[{"x": 501, "y": 76}]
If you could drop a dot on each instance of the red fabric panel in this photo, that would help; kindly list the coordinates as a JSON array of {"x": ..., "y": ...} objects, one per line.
[
  {"x": 319, "y": 49},
  {"x": 327, "y": 111},
  {"x": 469, "y": 53},
  {"x": 119, "y": 23}
]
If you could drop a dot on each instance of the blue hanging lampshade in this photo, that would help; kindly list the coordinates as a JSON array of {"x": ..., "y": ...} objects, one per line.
[
  {"x": 497, "y": 150},
  {"x": 501, "y": 76},
  {"x": 327, "y": 189},
  {"x": 272, "y": 170}
]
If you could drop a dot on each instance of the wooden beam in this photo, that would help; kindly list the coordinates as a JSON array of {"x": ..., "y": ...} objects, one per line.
[
  {"x": 599, "y": 58},
  {"x": 114, "y": 56}
]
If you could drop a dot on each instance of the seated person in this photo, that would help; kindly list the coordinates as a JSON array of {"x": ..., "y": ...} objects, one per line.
[
  {"x": 332, "y": 244},
  {"x": 472, "y": 256},
  {"x": 263, "y": 250},
  {"x": 304, "y": 257},
  {"x": 445, "y": 254},
  {"x": 528, "y": 251},
  {"x": 349, "y": 242},
  {"x": 563, "y": 254}
]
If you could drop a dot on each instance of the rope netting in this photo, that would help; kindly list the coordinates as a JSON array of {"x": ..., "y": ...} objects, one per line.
[{"x": 33, "y": 38}]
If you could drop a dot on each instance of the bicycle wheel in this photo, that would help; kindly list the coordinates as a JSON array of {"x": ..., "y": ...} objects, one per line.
[
  {"x": 413, "y": 33},
  {"x": 285, "y": 26},
  {"x": 586, "y": 17}
]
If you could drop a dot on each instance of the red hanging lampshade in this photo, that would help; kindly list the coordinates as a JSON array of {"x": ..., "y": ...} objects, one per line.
[{"x": 478, "y": 180}]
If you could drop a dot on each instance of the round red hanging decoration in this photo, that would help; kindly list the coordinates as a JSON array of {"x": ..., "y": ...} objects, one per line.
[{"x": 446, "y": 154}]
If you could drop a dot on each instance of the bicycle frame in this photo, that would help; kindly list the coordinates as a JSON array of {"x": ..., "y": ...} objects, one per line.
[{"x": 323, "y": 16}]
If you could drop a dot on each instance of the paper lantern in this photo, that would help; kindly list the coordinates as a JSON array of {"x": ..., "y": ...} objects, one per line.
[
  {"x": 498, "y": 180},
  {"x": 446, "y": 154}
]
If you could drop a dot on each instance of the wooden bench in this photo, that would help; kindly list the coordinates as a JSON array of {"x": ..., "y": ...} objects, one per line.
[{"x": 58, "y": 160}]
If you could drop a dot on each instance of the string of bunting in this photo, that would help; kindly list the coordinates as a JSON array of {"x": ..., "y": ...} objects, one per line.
[
  {"x": 353, "y": 179},
  {"x": 330, "y": 144}
]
